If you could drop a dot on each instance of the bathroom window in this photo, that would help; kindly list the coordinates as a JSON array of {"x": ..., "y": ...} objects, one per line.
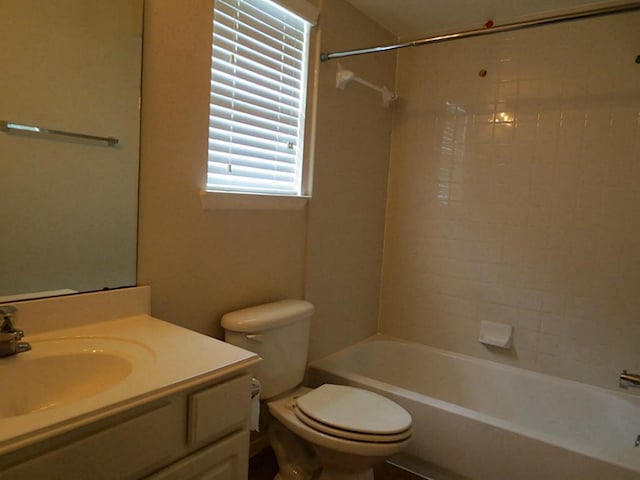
[{"x": 258, "y": 99}]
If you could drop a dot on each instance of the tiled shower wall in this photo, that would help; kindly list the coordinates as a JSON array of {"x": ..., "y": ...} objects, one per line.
[{"x": 515, "y": 197}]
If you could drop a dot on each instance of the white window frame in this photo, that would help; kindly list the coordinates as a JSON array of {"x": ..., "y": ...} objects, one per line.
[{"x": 228, "y": 198}]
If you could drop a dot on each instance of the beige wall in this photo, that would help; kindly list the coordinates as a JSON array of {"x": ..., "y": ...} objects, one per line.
[
  {"x": 202, "y": 263},
  {"x": 346, "y": 214},
  {"x": 514, "y": 197}
]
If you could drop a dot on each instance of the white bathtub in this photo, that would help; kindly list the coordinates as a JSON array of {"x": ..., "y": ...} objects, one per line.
[{"x": 487, "y": 421}]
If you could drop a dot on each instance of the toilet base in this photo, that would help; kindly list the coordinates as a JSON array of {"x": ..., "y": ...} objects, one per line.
[
  {"x": 296, "y": 459},
  {"x": 301, "y": 460},
  {"x": 341, "y": 466}
]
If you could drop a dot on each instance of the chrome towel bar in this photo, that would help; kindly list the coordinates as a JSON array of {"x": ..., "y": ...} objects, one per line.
[
  {"x": 11, "y": 127},
  {"x": 629, "y": 380}
]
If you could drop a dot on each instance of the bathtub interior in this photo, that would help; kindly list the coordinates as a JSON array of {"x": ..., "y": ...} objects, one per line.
[{"x": 569, "y": 414}]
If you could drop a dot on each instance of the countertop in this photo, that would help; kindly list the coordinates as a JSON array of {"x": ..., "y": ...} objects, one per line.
[{"x": 166, "y": 358}]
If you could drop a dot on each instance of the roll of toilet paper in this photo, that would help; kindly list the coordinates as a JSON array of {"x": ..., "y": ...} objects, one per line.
[{"x": 255, "y": 404}]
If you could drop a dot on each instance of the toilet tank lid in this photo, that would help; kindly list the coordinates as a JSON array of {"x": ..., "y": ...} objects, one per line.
[{"x": 267, "y": 316}]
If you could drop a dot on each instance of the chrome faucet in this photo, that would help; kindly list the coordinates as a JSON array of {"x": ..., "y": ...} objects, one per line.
[
  {"x": 629, "y": 380},
  {"x": 10, "y": 336}
]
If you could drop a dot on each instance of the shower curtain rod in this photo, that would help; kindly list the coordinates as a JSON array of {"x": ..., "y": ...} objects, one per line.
[{"x": 596, "y": 12}]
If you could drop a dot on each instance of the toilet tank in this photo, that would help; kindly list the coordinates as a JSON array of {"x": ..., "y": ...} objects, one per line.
[{"x": 279, "y": 333}]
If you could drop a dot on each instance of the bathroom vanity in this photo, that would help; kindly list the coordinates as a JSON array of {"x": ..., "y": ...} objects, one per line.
[{"x": 128, "y": 398}]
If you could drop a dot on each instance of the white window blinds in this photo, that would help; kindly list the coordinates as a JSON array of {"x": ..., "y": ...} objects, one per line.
[{"x": 258, "y": 95}]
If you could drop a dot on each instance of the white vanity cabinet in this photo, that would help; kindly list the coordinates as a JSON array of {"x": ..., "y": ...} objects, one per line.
[{"x": 199, "y": 432}]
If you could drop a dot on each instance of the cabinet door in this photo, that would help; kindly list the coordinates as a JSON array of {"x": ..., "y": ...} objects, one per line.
[
  {"x": 123, "y": 451},
  {"x": 219, "y": 410},
  {"x": 227, "y": 459}
]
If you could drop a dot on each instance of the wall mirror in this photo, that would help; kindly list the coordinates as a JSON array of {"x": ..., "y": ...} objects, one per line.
[{"x": 68, "y": 211}]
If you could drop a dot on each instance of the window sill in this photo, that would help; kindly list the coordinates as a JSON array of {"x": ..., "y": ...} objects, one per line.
[{"x": 248, "y": 201}]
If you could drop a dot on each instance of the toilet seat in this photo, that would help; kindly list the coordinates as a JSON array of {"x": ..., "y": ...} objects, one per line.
[
  {"x": 353, "y": 413},
  {"x": 283, "y": 410},
  {"x": 349, "y": 435}
]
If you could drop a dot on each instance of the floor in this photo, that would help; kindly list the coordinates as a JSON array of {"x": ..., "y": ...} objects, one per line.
[{"x": 263, "y": 466}]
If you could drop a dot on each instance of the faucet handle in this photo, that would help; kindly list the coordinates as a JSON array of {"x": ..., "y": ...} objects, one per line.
[{"x": 7, "y": 312}]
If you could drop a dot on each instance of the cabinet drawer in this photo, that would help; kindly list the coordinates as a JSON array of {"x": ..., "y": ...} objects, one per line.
[
  {"x": 219, "y": 410},
  {"x": 225, "y": 460}
]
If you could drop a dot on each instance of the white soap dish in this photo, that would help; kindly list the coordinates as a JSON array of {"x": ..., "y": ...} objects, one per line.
[{"x": 496, "y": 334}]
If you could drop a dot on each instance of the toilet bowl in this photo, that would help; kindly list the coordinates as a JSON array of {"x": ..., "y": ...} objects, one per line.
[
  {"x": 344, "y": 452},
  {"x": 348, "y": 428}
]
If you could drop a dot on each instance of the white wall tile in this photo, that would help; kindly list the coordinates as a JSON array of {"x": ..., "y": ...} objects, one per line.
[{"x": 514, "y": 198}]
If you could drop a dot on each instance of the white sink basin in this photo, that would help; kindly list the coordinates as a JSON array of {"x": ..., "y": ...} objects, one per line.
[{"x": 59, "y": 372}]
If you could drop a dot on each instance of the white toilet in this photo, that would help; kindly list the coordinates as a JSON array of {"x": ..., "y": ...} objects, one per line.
[{"x": 350, "y": 429}]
